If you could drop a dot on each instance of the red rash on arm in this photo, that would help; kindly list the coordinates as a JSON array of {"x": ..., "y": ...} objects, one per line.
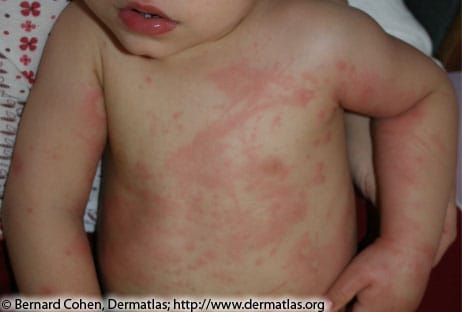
[{"x": 92, "y": 116}]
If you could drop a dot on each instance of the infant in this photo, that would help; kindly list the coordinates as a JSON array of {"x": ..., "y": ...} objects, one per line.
[{"x": 220, "y": 124}]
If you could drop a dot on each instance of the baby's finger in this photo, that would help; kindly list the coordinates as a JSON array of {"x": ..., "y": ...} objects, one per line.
[{"x": 347, "y": 286}]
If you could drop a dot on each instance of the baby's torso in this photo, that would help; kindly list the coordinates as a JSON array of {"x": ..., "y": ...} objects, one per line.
[{"x": 225, "y": 174}]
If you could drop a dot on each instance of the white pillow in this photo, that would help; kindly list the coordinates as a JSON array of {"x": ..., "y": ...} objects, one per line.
[{"x": 396, "y": 19}]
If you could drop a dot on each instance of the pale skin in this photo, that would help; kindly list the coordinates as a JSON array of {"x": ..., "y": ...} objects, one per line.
[{"x": 225, "y": 168}]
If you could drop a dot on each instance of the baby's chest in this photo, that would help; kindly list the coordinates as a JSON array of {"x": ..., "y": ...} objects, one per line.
[{"x": 224, "y": 112}]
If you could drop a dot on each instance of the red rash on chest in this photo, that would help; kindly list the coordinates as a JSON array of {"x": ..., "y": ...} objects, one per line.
[
  {"x": 177, "y": 115},
  {"x": 225, "y": 160},
  {"x": 249, "y": 97},
  {"x": 241, "y": 82},
  {"x": 251, "y": 93},
  {"x": 148, "y": 80}
]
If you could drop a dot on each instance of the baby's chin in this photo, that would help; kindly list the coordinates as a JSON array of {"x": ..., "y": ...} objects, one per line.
[
  {"x": 153, "y": 50},
  {"x": 162, "y": 47},
  {"x": 148, "y": 50}
]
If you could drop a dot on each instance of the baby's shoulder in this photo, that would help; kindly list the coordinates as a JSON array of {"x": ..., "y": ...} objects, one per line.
[
  {"x": 324, "y": 28},
  {"x": 77, "y": 27},
  {"x": 74, "y": 43},
  {"x": 326, "y": 15}
]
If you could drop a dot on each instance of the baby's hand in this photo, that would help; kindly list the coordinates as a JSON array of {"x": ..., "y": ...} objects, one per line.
[{"x": 385, "y": 277}]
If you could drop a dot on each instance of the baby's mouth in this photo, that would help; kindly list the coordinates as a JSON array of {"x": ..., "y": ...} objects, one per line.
[
  {"x": 146, "y": 19},
  {"x": 147, "y": 11},
  {"x": 147, "y": 15}
]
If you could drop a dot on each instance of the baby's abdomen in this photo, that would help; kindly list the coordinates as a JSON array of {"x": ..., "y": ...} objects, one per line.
[{"x": 269, "y": 232}]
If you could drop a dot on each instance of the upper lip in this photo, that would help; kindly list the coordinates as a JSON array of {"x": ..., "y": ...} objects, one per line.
[{"x": 143, "y": 8}]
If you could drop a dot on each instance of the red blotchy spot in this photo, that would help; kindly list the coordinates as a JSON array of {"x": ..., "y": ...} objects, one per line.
[
  {"x": 325, "y": 113},
  {"x": 341, "y": 66},
  {"x": 284, "y": 213},
  {"x": 47, "y": 290},
  {"x": 302, "y": 261},
  {"x": 273, "y": 86},
  {"x": 204, "y": 259},
  {"x": 190, "y": 246},
  {"x": 201, "y": 162},
  {"x": 325, "y": 138},
  {"x": 282, "y": 206},
  {"x": 224, "y": 277},
  {"x": 54, "y": 156},
  {"x": 279, "y": 287},
  {"x": 165, "y": 254},
  {"x": 303, "y": 97},
  {"x": 259, "y": 262},
  {"x": 92, "y": 112},
  {"x": 142, "y": 171},
  {"x": 416, "y": 114},
  {"x": 307, "y": 76},
  {"x": 177, "y": 115},
  {"x": 78, "y": 247},
  {"x": 438, "y": 142},
  {"x": 277, "y": 122},
  {"x": 92, "y": 115},
  {"x": 319, "y": 176},
  {"x": 148, "y": 80},
  {"x": 275, "y": 167},
  {"x": 17, "y": 165},
  {"x": 240, "y": 82}
]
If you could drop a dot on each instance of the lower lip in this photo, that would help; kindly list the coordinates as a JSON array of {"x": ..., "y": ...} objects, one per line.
[{"x": 147, "y": 26}]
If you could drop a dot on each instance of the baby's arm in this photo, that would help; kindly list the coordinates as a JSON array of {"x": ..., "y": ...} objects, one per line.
[
  {"x": 414, "y": 145},
  {"x": 359, "y": 147},
  {"x": 60, "y": 140}
]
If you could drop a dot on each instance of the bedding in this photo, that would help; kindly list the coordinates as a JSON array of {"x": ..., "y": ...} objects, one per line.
[
  {"x": 397, "y": 20},
  {"x": 436, "y": 16}
]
